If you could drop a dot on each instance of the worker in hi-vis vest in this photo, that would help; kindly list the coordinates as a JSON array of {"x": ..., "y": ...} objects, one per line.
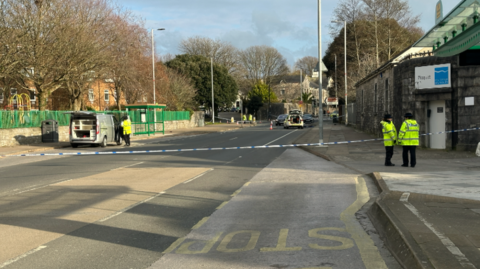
[
  {"x": 244, "y": 118},
  {"x": 250, "y": 118},
  {"x": 389, "y": 138},
  {"x": 408, "y": 138},
  {"x": 127, "y": 130}
]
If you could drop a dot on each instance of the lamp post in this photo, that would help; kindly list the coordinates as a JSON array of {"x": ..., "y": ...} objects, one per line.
[
  {"x": 153, "y": 64},
  {"x": 320, "y": 106},
  {"x": 345, "y": 41},
  {"x": 213, "y": 100}
]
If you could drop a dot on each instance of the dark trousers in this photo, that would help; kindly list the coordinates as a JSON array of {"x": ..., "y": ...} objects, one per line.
[
  {"x": 413, "y": 157},
  {"x": 389, "y": 155},
  {"x": 127, "y": 139}
]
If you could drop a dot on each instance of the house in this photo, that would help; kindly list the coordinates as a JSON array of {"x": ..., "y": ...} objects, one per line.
[{"x": 100, "y": 96}]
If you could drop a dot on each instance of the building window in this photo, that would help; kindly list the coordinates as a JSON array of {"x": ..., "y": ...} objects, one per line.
[
  {"x": 386, "y": 96},
  {"x": 375, "y": 97},
  {"x": 91, "y": 96},
  {"x": 363, "y": 102},
  {"x": 32, "y": 95},
  {"x": 282, "y": 92},
  {"x": 1, "y": 95},
  {"x": 107, "y": 95}
]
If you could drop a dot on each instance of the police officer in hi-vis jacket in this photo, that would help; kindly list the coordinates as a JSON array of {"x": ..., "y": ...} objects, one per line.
[
  {"x": 408, "y": 138},
  {"x": 389, "y": 138}
]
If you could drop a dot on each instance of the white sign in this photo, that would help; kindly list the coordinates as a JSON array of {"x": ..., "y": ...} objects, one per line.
[
  {"x": 315, "y": 75},
  {"x": 433, "y": 77},
  {"x": 469, "y": 101},
  {"x": 332, "y": 101}
]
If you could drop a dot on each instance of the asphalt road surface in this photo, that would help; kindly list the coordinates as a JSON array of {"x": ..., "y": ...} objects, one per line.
[{"x": 254, "y": 208}]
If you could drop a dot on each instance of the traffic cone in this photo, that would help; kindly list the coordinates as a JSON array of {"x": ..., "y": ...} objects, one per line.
[{"x": 271, "y": 128}]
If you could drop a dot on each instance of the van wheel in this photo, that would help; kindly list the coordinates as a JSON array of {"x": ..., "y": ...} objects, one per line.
[
  {"x": 74, "y": 145},
  {"x": 104, "y": 142}
]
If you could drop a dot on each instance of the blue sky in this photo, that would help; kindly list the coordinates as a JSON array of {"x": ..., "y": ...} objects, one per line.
[{"x": 288, "y": 25}]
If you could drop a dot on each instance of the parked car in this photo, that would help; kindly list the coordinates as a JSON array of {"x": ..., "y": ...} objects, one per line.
[
  {"x": 233, "y": 109},
  {"x": 308, "y": 118},
  {"x": 280, "y": 119},
  {"x": 294, "y": 120},
  {"x": 90, "y": 128}
]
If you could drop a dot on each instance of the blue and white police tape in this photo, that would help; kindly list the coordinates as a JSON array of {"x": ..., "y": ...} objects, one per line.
[{"x": 214, "y": 149}]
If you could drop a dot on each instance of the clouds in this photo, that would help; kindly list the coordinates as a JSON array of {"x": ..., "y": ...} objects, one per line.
[{"x": 290, "y": 26}]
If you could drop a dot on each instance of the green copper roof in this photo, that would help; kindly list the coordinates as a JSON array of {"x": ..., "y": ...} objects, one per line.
[{"x": 457, "y": 32}]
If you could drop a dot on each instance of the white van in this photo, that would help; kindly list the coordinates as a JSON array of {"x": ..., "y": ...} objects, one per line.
[{"x": 93, "y": 129}]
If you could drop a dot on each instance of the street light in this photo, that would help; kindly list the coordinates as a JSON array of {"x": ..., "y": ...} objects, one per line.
[
  {"x": 345, "y": 41},
  {"x": 153, "y": 65},
  {"x": 320, "y": 106}
]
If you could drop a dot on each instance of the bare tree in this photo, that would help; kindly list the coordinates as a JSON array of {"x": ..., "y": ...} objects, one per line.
[
  {"x": 351, "y": 11},
  {"x": 398, "y": 23},
  {"x": 306, "y": 64},
  {"x": 262, "y": 63},
  {"x": 93, "y": 33},
  {"x": 223, "y": 53},
  {"x": 182, "y": 89},
  {"x": 130, "y": 67}
]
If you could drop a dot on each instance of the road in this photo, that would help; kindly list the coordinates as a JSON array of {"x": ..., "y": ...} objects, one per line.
[{"x": 255, "y": 208}]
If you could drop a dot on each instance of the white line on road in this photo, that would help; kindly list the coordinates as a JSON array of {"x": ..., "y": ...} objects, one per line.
[
  {"x": 234, "y": 138},
  {"x": 280, "y": 138},
  {"x": 126, "y": 166},
  {"x": 32, "y": 189},
  {"x": 192, "y": 179},
  {"x": 130, "y": 207},
  {"x": 22, "y": 256},
  {"x": 443, "y": 238}
]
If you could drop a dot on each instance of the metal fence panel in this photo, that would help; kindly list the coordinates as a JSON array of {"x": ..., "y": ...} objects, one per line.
[{"x": 26, "y": 119}]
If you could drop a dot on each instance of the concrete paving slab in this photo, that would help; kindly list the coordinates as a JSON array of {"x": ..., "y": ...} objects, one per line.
[{"x": 456, "y": 184}]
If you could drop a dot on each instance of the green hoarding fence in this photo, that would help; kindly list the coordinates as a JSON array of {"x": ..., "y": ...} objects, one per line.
[{"x": 29, "y": 119}]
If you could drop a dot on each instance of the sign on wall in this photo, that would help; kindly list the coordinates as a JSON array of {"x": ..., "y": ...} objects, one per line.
[
  {"x": 433, "y": 76},
  {"x": 332, "y": 101}
]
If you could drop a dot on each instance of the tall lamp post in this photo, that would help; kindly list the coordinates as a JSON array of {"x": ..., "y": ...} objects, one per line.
[
  {"x": 345, "y": 41},
  {"x": 213, "y": 100},
  {"x": 153, "y": 65},
  {"x": 320, "y": 106}
]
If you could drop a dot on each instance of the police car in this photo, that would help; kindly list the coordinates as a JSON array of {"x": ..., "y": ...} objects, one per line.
[{"x": 294, "y": 119}]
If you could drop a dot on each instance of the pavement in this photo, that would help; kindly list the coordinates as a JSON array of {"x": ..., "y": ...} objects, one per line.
[{"x": 428, "y": 216}]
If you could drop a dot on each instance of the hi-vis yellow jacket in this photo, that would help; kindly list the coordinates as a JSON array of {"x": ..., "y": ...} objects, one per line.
[
  {"x": 127, "y": 127},
  {"x": 408, "y": 135},
  {"x": 389, "y": 133}
]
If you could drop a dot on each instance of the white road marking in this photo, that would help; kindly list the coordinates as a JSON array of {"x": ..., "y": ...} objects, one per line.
[
  {"x": 32, "y": 189},
  {"x": 443, "y": 238},
  {"x": 21, "y": 256},
  {"x": 280, "y": 138},
  {"x": 234, "y": 138},
  {"x": 192, "y": 179},
  {"x": 232, "y": 160},
  {"x": 130, "y": 207},
  {"x": 126, "y": 166}
]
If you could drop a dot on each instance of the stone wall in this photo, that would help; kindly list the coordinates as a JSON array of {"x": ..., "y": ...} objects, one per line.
[
  {"x": 27, "y": 136},
  {"x": 374, "y": 99}
]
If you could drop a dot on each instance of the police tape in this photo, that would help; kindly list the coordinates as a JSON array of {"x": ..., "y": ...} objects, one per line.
[{"x": 225, "y": 148}]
